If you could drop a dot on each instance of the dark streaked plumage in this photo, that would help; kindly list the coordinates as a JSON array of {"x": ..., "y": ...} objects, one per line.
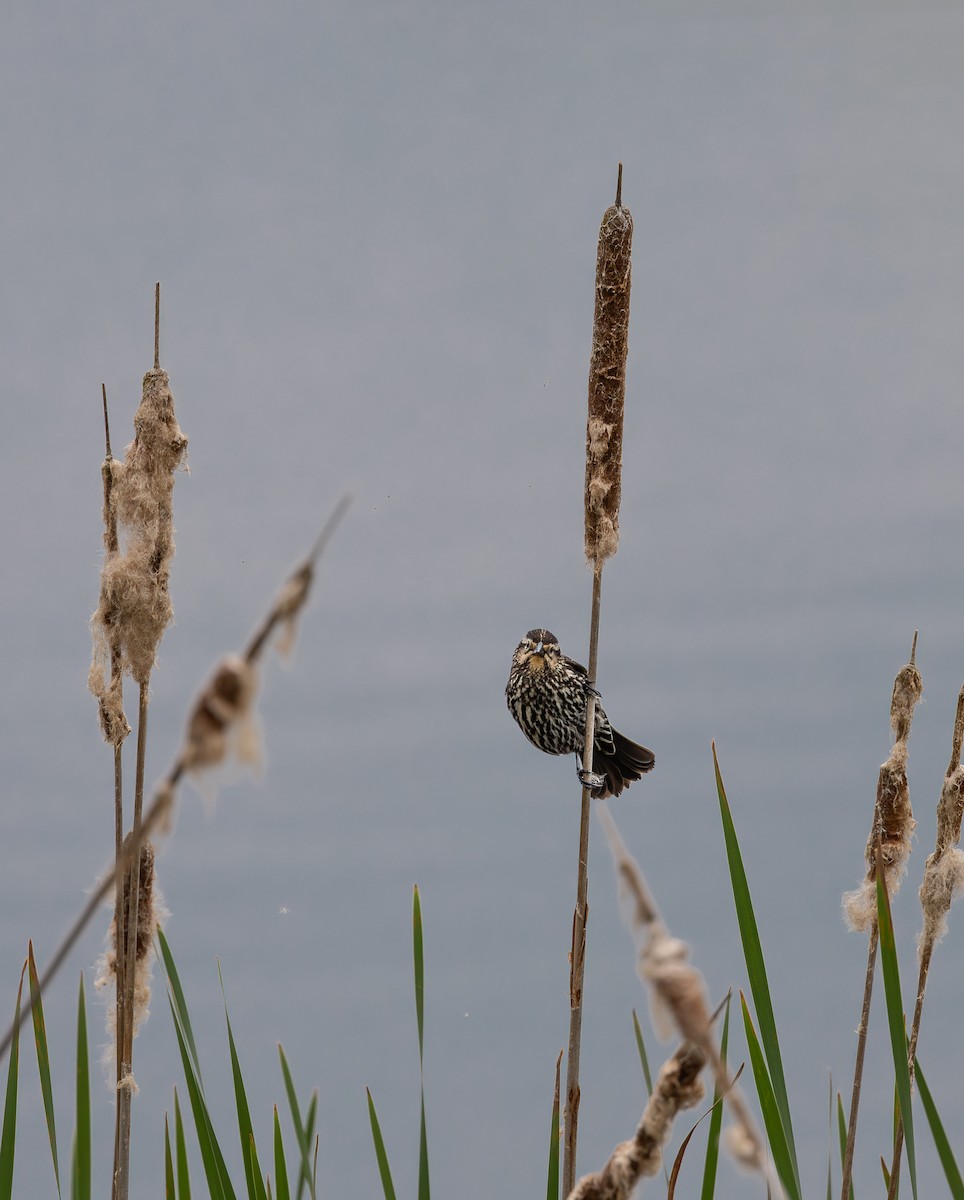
[{"x": 547, "y": 694}]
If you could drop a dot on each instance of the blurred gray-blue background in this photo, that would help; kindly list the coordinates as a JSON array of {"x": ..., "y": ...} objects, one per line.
[{"x": 375, "y": 227}]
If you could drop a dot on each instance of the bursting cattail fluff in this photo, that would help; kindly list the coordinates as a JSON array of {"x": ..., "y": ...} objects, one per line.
[
  {"x": 150, "y": 913},
  {"x": 607, "y": 383},
  {"x": 135, "y": 605}
]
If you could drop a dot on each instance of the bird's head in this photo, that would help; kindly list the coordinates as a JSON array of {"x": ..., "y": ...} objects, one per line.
[{"x": 536, "y": 649}]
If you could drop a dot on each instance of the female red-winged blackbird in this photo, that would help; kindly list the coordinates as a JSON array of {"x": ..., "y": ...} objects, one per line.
[{"x": 547, "y": 694}]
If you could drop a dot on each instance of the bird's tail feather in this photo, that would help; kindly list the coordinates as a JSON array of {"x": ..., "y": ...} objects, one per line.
[{"x": 630, "y": 761}]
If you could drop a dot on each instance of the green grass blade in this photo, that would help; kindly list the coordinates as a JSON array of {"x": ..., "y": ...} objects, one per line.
[
  {"x": 756, "y": 970},
  {"x": 552, "y": 1183},
  {"x": 643, "y": 1059},
  {"x": 170, "y": 1190},
  {"x": 249, "y": 1153},
  {"x": 215, "y": 1171},
  {"x": 43, "y": 1058},
  {"x": 80, "y": 1171},
  {"x": 311, "y": 1118},
  {"x": 259, "y": 1191},
  {"x": 280, "y": 1167},
  {"x": 424, "y": 1192},
  {"x": 944, "y": 1152},
  {"x": 8, "y": 1136},
  {"x": 716, "y": 1120},
  {"x": 384, "y": 1172},
  {"x": 776, "y": 1135},
  {"x": 180, "y": 1150},
  {"x": 418, "y": 956},
  {"x": 181, "y": 1003},
  {"x": 303, "y": 1130},
  {"x": 842, "y": 1136},
  {"x": 895, "y": 1022}
]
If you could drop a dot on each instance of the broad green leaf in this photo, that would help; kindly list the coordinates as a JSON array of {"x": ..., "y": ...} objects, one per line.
[
  {"x": 384, "y": 1172},
  {"x": 716, "y": 1120},
  {"x": 643, "y": 1059},
  {"x": 944, "y": 1151},
  {"x": 756, "y": 972},
  {"x": 181, "y": 1003},
  {"x": 280, "y": 1167},
  {"x": 895, "y": 1022},
  {"x": 776, "y": 1135},
  {"x": 8, "y": 1136},
  {"x": 81, "y": 1157},
  {"x": 43, "y": 1058}
]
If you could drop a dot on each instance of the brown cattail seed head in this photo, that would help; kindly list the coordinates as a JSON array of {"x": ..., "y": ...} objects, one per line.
[
  {"x": 150, "y": 913},
  {"x": 889, "y": 843},
  {"x": 607, "y": 384},
  {"x": 221, "y": 713}
]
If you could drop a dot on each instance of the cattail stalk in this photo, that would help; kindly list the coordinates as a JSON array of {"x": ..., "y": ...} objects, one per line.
[
  {"x": 604, "y": 439},
  {"x": 888, "y": 848},
  {"x": 943, "y": 882}
]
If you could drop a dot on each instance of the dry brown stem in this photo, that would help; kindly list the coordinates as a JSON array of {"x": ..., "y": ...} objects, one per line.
[{"x": 604, "y": 439}]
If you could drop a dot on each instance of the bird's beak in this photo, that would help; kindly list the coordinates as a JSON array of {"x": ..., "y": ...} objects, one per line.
[{"x": 539, "y": 649}]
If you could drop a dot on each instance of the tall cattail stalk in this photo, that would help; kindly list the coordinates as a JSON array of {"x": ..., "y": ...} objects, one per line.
[
  {"x": 132, "y": 614},
  {"x": 888, "y": 848},
  {"x": 943, "y": 882},
  {"x": 604, "y": 442}
]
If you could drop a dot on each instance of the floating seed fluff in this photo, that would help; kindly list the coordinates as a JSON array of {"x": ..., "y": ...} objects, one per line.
[{"x": 547, "y": 694}]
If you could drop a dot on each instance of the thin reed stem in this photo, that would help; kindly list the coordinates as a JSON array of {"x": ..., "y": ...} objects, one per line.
[
  {"x": 580, "y": 917},
  {"x": 157, "y": 326},
  {"x": 848, "y": 1164},
  {"x": 127, "y": 950}
]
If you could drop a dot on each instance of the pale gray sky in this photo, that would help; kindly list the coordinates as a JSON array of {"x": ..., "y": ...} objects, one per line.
[{"x": 375, "y": 227}]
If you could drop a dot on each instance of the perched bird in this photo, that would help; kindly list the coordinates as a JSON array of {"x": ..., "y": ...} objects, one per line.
[{"x": 547, "y": 694}]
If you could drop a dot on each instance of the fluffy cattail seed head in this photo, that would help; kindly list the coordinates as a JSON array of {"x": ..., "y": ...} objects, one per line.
[
  {"x": 678, "y": 1086},
  {"x": 607, "y": 383},
  {"x": 135, "y": 605}
]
